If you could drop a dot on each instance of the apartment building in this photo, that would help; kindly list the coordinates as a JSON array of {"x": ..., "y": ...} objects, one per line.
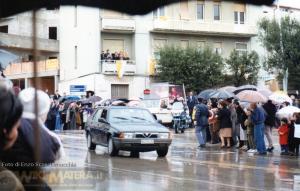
[
  {"x": 83, "y": 33},
  {"x": 222, "y": 25},
  {"x": 16, "y": 36}
]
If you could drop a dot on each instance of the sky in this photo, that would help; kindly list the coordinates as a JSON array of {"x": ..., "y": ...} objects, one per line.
[{"x": 289, "y": 3}]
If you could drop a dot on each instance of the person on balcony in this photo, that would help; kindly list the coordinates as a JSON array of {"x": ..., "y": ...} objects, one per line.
[
  {"x": 102, "y": 55},
  {"x": 108, "y": 55}
]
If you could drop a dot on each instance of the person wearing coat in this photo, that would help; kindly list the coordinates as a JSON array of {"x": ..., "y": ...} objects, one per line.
[
  {"x": 270, "y": 109},
  {"x": 71, "y": 116},
  {"x": 258, "y": 119},
  {"x": 293, "y": 143},
  {"x": 235, "y": 124},
  {"x": 283, "y": 132},
  {"x": 10, "y": 111},
  {"x": 191, "y": 102},
  {"x": 224, "y": 117},
  {"x": 201, "y": 120}
]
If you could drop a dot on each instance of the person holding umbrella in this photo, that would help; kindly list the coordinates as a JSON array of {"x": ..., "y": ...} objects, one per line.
[{"x": 224, "y": 116}]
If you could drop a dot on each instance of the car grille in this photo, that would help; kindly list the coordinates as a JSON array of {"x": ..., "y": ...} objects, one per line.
[{"x": 146, "y": 135}]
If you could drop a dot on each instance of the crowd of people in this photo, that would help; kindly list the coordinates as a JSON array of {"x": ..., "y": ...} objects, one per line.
[
  {"x": 21, "y": 149},
  {"x": 121, "y": 55},
  {"x": 67, "y": 114},
  {"x": 245, "y": 127}
]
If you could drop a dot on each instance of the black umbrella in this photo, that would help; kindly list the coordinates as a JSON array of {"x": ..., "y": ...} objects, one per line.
[
  {"x": 206, "y": 94},
  {"x": 222, "y": 94},
  {"x": 245, "y": 87}
]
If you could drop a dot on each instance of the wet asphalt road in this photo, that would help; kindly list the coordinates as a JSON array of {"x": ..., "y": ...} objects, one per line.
[{"x": 184, "y": 168}]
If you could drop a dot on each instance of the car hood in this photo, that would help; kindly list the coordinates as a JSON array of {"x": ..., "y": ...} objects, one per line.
[{"x": 139, "y": 127}]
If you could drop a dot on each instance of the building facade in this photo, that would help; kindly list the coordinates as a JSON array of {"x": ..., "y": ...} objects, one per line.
[
  {"x": 16, "y": 36},
  {"x": 83, "y": 33}
]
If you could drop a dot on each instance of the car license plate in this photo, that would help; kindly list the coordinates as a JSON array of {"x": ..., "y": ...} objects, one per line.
[{"x": 147, "y": 141}]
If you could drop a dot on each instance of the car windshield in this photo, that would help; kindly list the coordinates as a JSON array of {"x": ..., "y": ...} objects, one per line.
[{"x": 130, "y": 115}]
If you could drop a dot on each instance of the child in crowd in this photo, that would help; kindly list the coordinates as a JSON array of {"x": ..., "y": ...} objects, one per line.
[{"x": 283, "y": 132}]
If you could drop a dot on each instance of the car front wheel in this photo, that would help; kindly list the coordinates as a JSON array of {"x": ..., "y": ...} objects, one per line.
[
  {"x": 90, "y": 144},
  {"x": 162, "y": 152},
  {"x": 112, "y": 151}
]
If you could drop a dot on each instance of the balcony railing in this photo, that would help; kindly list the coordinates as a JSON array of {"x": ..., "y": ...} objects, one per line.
[
  {"x": 109, "y": 67},
  {"x": 25, "y": 42},
  {"x": 209, "y": 28},
  {"x": 27, "y": 67},
  {"x": 111, "y": 24}
]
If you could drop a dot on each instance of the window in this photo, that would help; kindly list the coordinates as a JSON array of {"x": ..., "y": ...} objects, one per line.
[
  {"x": 53, "y": 33},
  {"x": 241, "y": 47},
  {"x": 184, "y": 10},
  {"x": 76, "y": 58},
  {"x": 30, "y": 57},
  {"x": 239, "y": 13},
  {"x": 218, "y": 47},
  {"x": 158, "y": 44},
  {"x": 217, "y": 16},
  {"x": 160, "y": 12},
  {"x": 104, "y": 114},
  {"x": 4, "y": 29},
  {"x": 239, "y": 17},
  {"x": 113, "y": 45},
  {"x": 97, "y": 115},
  {"x": 200, "y": 45},
  {"x": 200, "y": 11},
  {"x": 119, "y": 91},
  {"x": 184, "y": 43}
]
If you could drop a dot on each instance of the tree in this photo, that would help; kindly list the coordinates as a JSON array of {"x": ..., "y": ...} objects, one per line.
[
  {"x": 244, "y": 67},
  {"x": 282, "y": 42},
  {"x": 196, "y": 69}
]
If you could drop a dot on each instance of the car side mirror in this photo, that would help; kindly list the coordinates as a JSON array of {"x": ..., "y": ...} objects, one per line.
[
  {"x": 155, "y": 117},
  {"x": 159, "y": 121}
]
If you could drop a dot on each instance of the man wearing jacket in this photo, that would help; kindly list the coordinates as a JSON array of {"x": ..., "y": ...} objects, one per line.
[
  {"x": 191, "y": 102},
  {"x": 270, "y": 109},
  {"x": 201, "y": 117},
  {"x": 258, "y": 119}
]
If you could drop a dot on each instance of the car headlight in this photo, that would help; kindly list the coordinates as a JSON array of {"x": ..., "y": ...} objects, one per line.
[
  {"x": 164, "y": 135},
  {"x": 126, "y": 135}
]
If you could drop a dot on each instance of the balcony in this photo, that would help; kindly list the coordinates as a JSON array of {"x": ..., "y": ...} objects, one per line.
[
  {"x": 25, "y": 69},
  {"x": 25, "y": 43},
  {"x": 118, "y": 25},
  {"x": 205, "y": 28},
  {"x": 109, "y": 67}
]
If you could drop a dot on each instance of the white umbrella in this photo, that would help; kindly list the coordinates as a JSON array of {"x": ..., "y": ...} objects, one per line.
[
  {"x": 287, "y": 112},
  {"x": 279, "y": 97},
  {"x": 229, "y": 88},
  {"x": 251, "y": 96},
  {"x": 265, "y": 92}
]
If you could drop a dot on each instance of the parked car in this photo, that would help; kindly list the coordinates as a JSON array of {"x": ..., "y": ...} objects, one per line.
[{"x": 127, "y": 128}]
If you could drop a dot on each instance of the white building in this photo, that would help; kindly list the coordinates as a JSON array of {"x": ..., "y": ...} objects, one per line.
[{"x": 82, "y": 33}]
